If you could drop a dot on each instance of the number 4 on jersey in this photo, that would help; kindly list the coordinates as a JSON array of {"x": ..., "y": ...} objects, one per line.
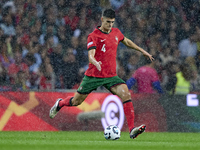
[{"x": 103, "y": 48}]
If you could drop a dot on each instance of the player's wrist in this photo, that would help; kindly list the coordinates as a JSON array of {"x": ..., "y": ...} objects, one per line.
[{"x": 96, "y": 63}]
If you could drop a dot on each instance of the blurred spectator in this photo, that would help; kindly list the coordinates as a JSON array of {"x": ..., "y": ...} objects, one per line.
[
  {"x": 192, "y": 63},
  {"x": 61, "y": 5},
  {"x": 83, "y": 13},
  {"x": 19, "y": 12},
  {"x": 17, "y": 66},
  {"x": 173, "y": 26},
  {"x": 30, "y": 60},
  {"x": 49, "y": 34},
  {"x": 7, "y": 25},
  {"x": 31, "y": 14},
  {"x": 59, "y": 19},
  {"x": 92, "y": 8},
  {"x": 120, "y": 70},
  {"x": 46, "y": 5},
  {"x": 9, "y": 8},
  {"x": 70, "y": 69},
  {"x": 8, "y": 42},
  {"x": 21, "y": 82},
  {"x": 147, "y": 78},
  {"x": 82, "y": 52},
  {"x": 63, "y": 37},
  {"x": 173, "y": 45},
  {"x": 38, "y": 27},
  {"x": 133, "y": 64},
  {"x": 169, "y": 75},
  {"x": 177, "y": 9},
  {"x": 1, "y": 9},
  {"x": 34, "y": 50},
  {"x": 56, "y": 59},
  {"x": 184, "y": 31},
  {"x": 5, "y": 54},
  {"x": 4, "y": 82},
  {"x": 154, "y": 47},
  {"x": 40, "y": 10},
  {"x": 180, "y": 84},
  {"x": 43, "y": 52},
  {"x": 50, "y": 45},
  {"x": 71, "y": 19},
  {"x": 191, "y": 9},
  {"x": 121, "y": 17},
  {"x": 47, "y": 77},
  {"x": 23, "y": 33},
  {"x": 197, "y": 57},
  {"x": 128, "y": 31},
  {"x": 188, "y": 47},
  {"x": 74, "y": 44},
  {"x": 163, "y": 23},
  {"x": 105, "y": 4},
  {"x": 172, "y": 36},
  {"x": 49, "y": 20},
  {"x": 116, "y": 4},
  {"x": 165, "y": 56}
]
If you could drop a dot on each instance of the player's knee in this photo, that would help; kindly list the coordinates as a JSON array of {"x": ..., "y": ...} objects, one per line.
[{"x": 126, "y": 95}]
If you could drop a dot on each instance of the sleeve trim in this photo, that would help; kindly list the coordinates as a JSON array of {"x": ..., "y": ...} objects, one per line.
[
  {"x": 93, "y": 47},
  {"x": 122, "y": 39}
]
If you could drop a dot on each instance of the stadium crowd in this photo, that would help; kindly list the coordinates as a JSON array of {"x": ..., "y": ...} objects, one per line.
[{"x": 43, "y": 42}]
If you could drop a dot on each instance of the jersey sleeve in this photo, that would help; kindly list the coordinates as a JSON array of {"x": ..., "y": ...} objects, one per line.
[
  {"x": 91, "y": 44},
  {"x": 121, "y": 36}
]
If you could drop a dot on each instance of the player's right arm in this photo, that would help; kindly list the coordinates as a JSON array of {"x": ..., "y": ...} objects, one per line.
[
  {"x": 92, "y": 60},
  {"x": 91, "y": 47}
]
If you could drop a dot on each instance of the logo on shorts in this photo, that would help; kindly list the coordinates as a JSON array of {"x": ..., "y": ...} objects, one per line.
[{"x": 81, "y": 88}]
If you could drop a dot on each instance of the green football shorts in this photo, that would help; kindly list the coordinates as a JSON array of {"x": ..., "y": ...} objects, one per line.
[{"x": 92, "y": 83}]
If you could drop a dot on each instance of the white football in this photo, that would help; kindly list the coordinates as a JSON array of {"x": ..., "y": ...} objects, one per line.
[{"x": 112, "y": 132}]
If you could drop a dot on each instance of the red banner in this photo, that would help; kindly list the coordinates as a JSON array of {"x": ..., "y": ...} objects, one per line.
[{"x": 29, "y": 111}]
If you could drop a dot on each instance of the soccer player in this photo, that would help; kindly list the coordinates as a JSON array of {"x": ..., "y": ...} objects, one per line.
[{"x": 102, "y": 50}]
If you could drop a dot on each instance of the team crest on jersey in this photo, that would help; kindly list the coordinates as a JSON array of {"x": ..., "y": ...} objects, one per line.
[{"x": 116, "y": 38}]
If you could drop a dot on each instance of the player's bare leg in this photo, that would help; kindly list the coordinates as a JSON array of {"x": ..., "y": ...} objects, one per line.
[
  {"x": 78, "y": 99},
  {"x": 69, "y": 101},
  {"x": 123, "y": 92}
]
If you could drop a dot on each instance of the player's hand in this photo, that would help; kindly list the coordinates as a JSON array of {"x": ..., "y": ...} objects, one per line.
[
  {"x": 146, "y": 54},
  {"x": 151, "y": 57},
  {"x": 98, "y": 65}
]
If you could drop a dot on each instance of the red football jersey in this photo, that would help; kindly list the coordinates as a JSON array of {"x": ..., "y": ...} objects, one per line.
[{"x": 106, "y": 51}]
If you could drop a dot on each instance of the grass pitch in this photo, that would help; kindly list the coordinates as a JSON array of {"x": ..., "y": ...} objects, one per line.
[{"x": 79, "y": 140}]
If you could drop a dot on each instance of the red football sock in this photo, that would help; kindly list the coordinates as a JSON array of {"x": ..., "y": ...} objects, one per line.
[
  {"x": 65, "y": 102},
  {"x": 129, "y": 113}
]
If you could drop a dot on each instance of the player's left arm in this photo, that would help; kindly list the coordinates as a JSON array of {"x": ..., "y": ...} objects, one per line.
[{"x": 132, "y": 45}]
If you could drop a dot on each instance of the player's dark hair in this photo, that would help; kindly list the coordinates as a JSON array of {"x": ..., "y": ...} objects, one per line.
[{"x": 109, "y": 13}]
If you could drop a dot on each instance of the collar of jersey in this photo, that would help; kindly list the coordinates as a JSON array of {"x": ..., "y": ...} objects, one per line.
[{"x": 102, "y": 31}]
